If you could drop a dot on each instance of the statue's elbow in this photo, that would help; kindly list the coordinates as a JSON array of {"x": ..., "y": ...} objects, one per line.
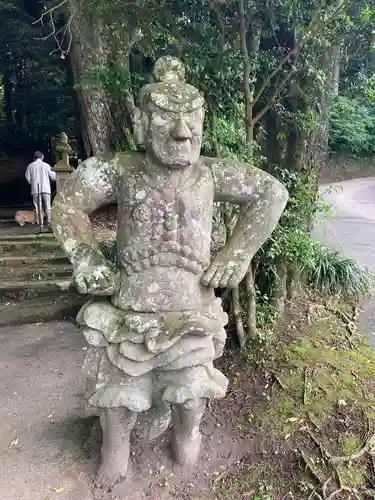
[{"x": 278, "y": 193}]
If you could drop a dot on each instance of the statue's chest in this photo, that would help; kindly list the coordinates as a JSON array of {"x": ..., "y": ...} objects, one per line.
[{"x": 163, "y": 209}]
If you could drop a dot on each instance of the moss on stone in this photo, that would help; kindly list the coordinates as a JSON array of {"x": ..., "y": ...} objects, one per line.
[{"x": 318, "y": 372}]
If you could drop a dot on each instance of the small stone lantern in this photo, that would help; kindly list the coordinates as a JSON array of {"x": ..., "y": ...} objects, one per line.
[{"x": 62, "y": 167}]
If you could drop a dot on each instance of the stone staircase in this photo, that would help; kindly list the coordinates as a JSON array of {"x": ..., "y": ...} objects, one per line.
[{"x": 36, "y": 280}]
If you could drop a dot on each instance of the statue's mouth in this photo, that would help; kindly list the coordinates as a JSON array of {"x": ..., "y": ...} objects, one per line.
[
  {"x": 180, "y": 147},
  {"x": 178, "y": 153}
]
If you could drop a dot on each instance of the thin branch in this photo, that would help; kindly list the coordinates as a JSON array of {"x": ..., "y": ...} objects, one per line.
[
  {"x": 275, "y": 97},
  {"x": 135, "y": 4},
  {"x": 274, "y": 73},
  {"x": 52, "y": 9},
  {"x": 314, "y": 23}
]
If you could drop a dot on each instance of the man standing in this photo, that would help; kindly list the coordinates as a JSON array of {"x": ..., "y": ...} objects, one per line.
[{"x": 38, "y": 175}]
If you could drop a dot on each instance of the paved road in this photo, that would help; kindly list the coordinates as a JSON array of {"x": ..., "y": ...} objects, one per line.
[
  {"x": 351, "y": 229},
  {"x": 41, "y": 412}
]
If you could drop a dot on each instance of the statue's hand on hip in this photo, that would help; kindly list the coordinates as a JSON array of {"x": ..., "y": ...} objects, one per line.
[
  {"x": 227, "y": 269},
  {"x": 100, "y": 279}
]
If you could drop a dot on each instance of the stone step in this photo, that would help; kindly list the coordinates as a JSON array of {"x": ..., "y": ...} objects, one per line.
[
  {"x": 39, "y": 272},
  {"x": 46, "y": 308},
  {"x": 29, "y": 247},
  {"x": 26, "y": 233},
  {"x": 28, "y": 289},
  {"x": 16, "y": 261}
]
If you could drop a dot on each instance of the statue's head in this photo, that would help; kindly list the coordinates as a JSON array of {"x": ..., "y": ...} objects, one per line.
[{"x": 169, "y": 122}]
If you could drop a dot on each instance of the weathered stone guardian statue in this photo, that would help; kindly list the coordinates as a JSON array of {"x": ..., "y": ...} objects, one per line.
[{"x": 158, "y": 328}]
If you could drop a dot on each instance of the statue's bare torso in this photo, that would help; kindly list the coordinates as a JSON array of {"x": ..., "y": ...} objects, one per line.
[{"x": 164, "y": 221}]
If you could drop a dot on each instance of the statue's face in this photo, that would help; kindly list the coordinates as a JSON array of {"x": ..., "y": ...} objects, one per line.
[{"x": 173, "y": 139}]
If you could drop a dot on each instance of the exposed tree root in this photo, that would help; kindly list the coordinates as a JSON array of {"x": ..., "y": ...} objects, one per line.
[
  {"x": 305, "y": 385},
  {"x": 279, "y": 381},
  {"x": 240, "y": 330},
  {"x": 333, "y": 461},
  {"x": 368, "y": 447}
]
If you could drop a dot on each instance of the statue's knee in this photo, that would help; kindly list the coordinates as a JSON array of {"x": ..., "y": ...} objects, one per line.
[{"x": 194, "y": 404}]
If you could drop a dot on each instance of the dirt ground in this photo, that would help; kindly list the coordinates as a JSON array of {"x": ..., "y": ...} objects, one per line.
[
  {"x": 50, "y": 448},
  {"x": 312, "y": 394}
]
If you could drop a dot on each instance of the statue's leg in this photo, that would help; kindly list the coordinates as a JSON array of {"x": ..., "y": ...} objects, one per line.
[
  {"x": 116, "y": 427},
  {"x": 186, "y": 437}
]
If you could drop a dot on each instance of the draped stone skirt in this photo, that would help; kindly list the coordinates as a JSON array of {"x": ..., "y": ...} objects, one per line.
[{"x": 136, "y": 360}]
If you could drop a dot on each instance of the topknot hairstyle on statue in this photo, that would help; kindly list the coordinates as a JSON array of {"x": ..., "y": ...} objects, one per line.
[
  {"x": 169, "y": 91},
  {"x": 169, "y": 69}
]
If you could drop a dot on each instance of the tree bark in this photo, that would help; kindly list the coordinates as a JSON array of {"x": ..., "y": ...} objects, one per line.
[
  {"x": 293, "y": 281},
  {"x": 99, "y": 59},
  {"x": 319, "y": 145},
  {"x": 240, "y": 330},
  {"x": 250, "y": 57},
  {"x": 280, "y": 293},
  {"x": 336, "y": 58},
  {"x": 94, "y": 107},
  {"x": 251, "y": 320}
]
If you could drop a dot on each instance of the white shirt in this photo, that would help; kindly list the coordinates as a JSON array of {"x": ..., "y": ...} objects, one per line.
[{"x": 39, "y": 172}]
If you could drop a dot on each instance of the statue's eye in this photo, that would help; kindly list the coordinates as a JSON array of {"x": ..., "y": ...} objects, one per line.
[{"x": 158, "y": 120}]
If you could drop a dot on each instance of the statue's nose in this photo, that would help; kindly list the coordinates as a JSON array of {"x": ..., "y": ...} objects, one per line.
[{"x": 181, "y": 131}]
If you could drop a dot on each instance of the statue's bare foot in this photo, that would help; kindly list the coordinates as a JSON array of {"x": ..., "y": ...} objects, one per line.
[
  {"x": 186, "y": 450},
  {"x": 112, "y": 470},
  {"x": 186, "y": 438},
  {"x": 116, "y": 427}
]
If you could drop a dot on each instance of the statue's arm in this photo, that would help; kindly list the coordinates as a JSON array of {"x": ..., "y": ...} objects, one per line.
[
  {"x": 262, "y": 199},
  {"x": 92, "y": 185}
]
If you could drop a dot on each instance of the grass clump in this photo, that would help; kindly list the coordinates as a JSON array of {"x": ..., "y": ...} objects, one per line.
[{"x": 333, "y": 274}]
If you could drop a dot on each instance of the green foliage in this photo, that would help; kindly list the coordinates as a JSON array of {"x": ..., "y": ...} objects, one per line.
[
  {"x": 37, "y": 99},
  {"x": 230, "y": 135},
  {"x": 332, "y": 273},
  {"x": 352, "y": 125},
  {"x": 290, "y": 241}
]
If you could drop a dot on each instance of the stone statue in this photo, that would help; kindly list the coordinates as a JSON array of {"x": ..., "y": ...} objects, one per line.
[
  {"x": 155, "y": 327},
  {"x": 62, "y": 167}
]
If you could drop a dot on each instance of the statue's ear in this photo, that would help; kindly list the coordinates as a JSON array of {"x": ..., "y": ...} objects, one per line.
[{"x": 138, "y": 127}]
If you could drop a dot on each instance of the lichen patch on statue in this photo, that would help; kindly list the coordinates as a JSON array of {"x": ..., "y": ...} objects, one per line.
[{"x": 154, "y": 326}]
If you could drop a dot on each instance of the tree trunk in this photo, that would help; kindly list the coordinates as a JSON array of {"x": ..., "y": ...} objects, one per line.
[
  {"x": 251, "y": 320},
  {"x": 293, "y": 281},
  {"x": 101, "y": 47},
  {"x": 237, "y": 316},
  {"x": 215, "y": 143},
  {"x": 94, "y": 107},
  {"x": 250, "y": 57},
  {"x": 272, "y": 142},
  {"x": 319, "y": 150},
  {"x": 280, "y": 293},
  {"x": 336, "y": 58}
]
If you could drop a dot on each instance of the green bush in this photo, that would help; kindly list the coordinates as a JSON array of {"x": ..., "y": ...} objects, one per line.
[
  {"x": 231, "y": 137},
  {"x": 334, "y": 274},
  {"x": 352, "y": 125}
]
